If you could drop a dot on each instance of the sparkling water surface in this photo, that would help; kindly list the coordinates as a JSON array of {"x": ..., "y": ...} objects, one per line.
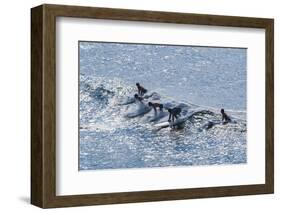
[{"x": 199, "y": 80}]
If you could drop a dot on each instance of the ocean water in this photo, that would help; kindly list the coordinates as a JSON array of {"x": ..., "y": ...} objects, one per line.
[{"x": 117, "y": 132}]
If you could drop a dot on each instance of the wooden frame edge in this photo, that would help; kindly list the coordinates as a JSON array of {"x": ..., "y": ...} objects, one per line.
[
  {"x": 36, "y": 106},
  {"x": 269, "y": 102},
  {"x": 43, "y": 113},
  {"x": 153, "y": 196}
]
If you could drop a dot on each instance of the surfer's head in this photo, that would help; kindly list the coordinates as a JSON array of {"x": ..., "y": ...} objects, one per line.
[
  {"x": 138, "y": 84},
  {"x": 136, "y": 95},
  {"x": 222, "y": 111},
  {"x": 149, "y": 104}
]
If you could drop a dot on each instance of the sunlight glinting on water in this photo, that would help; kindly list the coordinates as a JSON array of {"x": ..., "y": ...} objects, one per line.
[{"x": 118, "y": 132}]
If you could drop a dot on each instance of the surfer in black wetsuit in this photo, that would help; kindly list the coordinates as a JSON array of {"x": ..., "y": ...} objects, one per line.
[
  {"x": 141, "y": 90},
  {"x": 138, "y": 98},
  {"x": 225, "y": 118},
  {"x": 155, "y": 105},
  {"x": 174, "y": 113}
]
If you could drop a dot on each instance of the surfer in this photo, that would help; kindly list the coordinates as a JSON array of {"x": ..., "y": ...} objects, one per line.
[
  {"x": 225, "y": 118},
  {"x": 155, "y": 105},
  {"x": 174, "y": 113},
  {"x": 138, "y": 98},
  {"x": 141, "y": 89}
]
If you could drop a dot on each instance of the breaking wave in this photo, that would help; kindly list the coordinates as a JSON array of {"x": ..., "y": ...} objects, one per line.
[{"x": 118, "y": 132}]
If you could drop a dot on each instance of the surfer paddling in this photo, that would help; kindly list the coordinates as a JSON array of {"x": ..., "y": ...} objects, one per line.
[
  {"x": 174, "y": 113},
  {"x": 225, "y": 118},
  {"x": 141, "y": 89},
  {"x": 155, "y": 105}
]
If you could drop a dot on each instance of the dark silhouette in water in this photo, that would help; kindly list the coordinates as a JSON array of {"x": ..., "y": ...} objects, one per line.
[
  {"x": 155, "y": 105},
  {"x": 141, "y": 89},
  {"x": 174, "y": 113},
  {"x": 225, "y": 117},
  {"x": 138, "y": 98}
]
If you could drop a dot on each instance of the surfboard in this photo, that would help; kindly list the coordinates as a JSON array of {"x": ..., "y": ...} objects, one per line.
[
  {"x": 127, "y": 101},
  {"x": 210, "y": 124},
  {"x": 162, "y": 124},
  {"x": 177, "y": 122},
  {"x": 138, "y": 113},
  {"x": 158, "y": 116}
]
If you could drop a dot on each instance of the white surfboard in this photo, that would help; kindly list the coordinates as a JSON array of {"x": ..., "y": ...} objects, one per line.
[
  {"x": 158, "y": 116},
  {"x": 177, "y": 122},
  {"x": 138, "y": 113},
  {"x": 128, "y": 100},
  {"x": 162, "y": 124}
]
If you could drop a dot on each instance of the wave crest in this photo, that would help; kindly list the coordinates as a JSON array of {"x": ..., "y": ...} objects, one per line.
[{"x": 110, "y": 102}]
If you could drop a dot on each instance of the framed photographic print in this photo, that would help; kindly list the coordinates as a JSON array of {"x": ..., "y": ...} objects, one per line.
[{"x": 136, "y": 106}]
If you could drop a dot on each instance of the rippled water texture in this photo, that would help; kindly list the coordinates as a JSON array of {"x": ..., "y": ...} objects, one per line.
[{"x": 117, "y": 132}]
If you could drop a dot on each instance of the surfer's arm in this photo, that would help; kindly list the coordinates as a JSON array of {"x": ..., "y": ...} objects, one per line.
[{"x": 170, "y": 116}]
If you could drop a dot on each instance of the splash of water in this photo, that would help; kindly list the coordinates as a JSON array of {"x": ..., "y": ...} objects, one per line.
[{"x": 118, "y": 132}]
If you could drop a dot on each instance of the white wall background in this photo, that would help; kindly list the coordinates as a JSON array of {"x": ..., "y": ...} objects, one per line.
[{"x": 15, "y": 104}]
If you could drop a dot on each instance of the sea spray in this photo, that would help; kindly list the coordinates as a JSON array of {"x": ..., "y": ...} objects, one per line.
[{"x": 109, "y": 139}]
